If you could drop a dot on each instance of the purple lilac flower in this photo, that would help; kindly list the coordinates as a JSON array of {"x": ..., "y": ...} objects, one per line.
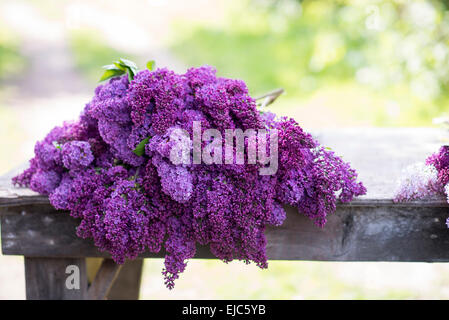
[
  {"x": 440, "y": 161},
  {"x": 176, "y": 181},
  {"x": 129, "y": 203},
  {"x": 76, "y": 154},
  {"x": 45, "y": 181},
  {"x": 58, "y": 198}
]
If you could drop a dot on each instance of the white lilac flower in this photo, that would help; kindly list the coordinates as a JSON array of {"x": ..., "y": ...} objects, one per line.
[{"x": 417, "y": 181}]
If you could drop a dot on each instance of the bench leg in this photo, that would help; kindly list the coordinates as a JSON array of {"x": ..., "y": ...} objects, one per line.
[
  {"x": 55, "y": 278},
  {"x": 127, "y": 284}
]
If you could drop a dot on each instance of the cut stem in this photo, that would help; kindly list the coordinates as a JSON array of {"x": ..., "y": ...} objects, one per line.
[{"x": 270, "y": 97}]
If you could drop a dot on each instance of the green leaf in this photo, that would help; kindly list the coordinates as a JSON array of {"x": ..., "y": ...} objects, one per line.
[
  {"x": 57, "y": 145},
  {"x": 109, "y": 66},
  {"x": 111, "y": 73},
  {"x": 118, "y": 68},
  {"x": 131, "y": 75},
  {"x": 125, "y": 69},
  {"x": 140, "y": 149},
  {"x": 128, "y": 63},
  {"x": 130, "y": 66},
  {"x": 151, "y": 64}
]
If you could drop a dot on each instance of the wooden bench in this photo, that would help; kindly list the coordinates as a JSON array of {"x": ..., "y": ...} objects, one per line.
[{"x": 371, "y": 228}]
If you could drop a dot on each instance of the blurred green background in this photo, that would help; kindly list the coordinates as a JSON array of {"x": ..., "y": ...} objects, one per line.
[
  {"x": 342, "y": 63},
  {"x": 381, "y": 63}
]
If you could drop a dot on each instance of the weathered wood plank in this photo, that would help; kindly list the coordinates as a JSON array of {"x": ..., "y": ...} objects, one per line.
[
  {"x": 102, "y": 284},
  {"x": 14, "y": 196},
  {"x": 127, "y": 284},
  {"x": 351, "y": 234},
  {"x": 39, "y": 231},
  {"x": 372, "y": 228},
  {"x": 46, "y": 278},
  {"x": 378, "y": 154}
]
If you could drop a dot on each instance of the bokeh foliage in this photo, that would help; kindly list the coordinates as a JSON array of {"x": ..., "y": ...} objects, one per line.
[
  {"x": 11, "y": 61},
  {"x": 389, "y": 57},
  {"x": 91, "y": 52}
]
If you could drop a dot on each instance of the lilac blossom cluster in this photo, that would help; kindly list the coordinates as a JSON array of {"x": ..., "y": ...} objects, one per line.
[
  {"x": 424, "y": 180},
  {"x": 417, "y": 181},
  {"x": 129, "y": 202}
]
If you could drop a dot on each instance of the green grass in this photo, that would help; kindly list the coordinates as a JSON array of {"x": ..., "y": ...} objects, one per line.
[{"x": 91, "y": 52}]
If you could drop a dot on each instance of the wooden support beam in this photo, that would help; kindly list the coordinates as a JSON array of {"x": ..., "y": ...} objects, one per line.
[
  {"x": 102, "y": 284},
  {"x": 351, "y": 234},
  {"x": 55, "y": 278},
  {"x": 127, "y": 284}
]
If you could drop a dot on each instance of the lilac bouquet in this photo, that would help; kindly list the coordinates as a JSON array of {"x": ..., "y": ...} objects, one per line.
[
  {"x": 424, "y": 180},
  {"x": 114, "y": 169}
]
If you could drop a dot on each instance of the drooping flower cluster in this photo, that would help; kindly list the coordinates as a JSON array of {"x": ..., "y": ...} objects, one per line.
[{"x": 129, "y": 202}]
